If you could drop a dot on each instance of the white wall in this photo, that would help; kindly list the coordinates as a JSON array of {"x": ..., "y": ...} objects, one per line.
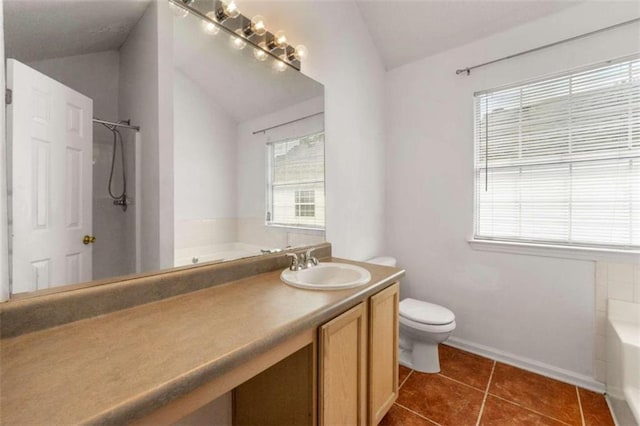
[
  {"x": 165, "y": 132},
  {"x": 204, "y": 168},
  {"x": 145, "y": 96},
  {"x": 539, "y": 310},
  {"x": 344, "y": 59},
  {"x": 96, "y": 75},
  {"x": 205, "y": 154},
  {"x": 4, "y": 244}
]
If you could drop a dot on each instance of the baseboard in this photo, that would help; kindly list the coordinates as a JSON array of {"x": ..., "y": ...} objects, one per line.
[{"x": 543, "y": 369}]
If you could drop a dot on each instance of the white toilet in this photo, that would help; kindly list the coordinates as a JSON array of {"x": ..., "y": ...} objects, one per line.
[{"x": 423, "y": 326}]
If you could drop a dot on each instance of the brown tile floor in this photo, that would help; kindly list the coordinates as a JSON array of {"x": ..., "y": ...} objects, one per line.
[{"x": 473, "y": 390}]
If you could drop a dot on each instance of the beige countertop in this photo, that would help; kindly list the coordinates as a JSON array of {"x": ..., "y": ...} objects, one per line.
[{"x": 109, "y": 368}]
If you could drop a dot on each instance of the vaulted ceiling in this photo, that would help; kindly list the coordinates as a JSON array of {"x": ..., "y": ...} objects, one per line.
[
  {"x": 43, "y": 29},
  {"x": 404, "y": 31}
]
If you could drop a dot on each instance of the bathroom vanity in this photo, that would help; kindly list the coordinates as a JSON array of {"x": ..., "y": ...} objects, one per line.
[{"x": 288, "y": 355}]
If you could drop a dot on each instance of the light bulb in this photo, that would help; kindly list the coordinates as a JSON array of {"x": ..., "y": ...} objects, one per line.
[
  {"x": 237, "y": 41},
  {"x": 280, "y": 40},
  {"x": 257, "y": 25},
  {"x": 280, "y": 65},
  {"x": 178, "y": 11},
  {"x": 230, "y": 9},
  {"x": 210, "y": 27},
  {"x": 260, "y": 54},
  {"x": 301, "y": 53}
]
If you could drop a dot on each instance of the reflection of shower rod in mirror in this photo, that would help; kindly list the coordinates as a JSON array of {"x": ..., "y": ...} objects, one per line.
[
  {"x": 124, "y": 123},
  {"x": 227, "y": 17},
  {"x": 121, "y": 199}
]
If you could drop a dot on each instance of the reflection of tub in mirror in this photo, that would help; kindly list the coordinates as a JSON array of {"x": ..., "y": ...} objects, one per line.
[{"x": 215, "y": 253}]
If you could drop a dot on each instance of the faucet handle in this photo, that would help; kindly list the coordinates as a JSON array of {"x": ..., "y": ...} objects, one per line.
[
  {"x": 310, "y": 260},
  {"x": 295, "y": 263}
]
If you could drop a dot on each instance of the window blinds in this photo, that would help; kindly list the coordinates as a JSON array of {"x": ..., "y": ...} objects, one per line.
[
  {"x": 295, "y": 194},
  {"x": 558, "y": 160}
]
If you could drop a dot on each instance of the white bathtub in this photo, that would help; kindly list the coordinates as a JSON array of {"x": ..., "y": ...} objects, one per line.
[
  {"x": 623, "y": 361},
  {"x": 214, "y": 253}
]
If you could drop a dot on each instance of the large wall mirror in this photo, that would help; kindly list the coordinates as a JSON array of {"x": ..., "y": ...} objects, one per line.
[{"x": 247, "y": 157}]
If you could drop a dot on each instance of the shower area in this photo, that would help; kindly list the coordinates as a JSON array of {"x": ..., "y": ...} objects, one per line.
[
  {"x": 114, "y": 190},
  {"x": 105, "y": 52},
  {"x": 115, "y": 142}
]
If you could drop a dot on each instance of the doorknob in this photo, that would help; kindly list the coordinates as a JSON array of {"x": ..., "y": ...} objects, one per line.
[{"x": 88, "y": 239}]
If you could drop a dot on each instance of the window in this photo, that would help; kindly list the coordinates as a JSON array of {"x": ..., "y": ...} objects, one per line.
[
  {"x": 557, "y": 161},
  {"x": 295, "y": 182}
]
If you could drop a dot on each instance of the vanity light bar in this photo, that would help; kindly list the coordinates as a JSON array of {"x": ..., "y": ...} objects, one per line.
[{"x": 241, "y": 26}]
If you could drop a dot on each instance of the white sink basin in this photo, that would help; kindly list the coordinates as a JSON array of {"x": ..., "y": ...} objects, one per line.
[{"x": 327, "y": 276}]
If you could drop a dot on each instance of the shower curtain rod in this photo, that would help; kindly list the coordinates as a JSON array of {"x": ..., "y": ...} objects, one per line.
[
  {"x": 288, "y": 122},
  {"x": 467, "y": 70},
  {"x": 126, "y": 124}
]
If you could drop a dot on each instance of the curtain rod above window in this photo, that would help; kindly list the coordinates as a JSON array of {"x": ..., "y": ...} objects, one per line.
[
  {"x": 288, "y": 122},
  {"x": 467, "y": 70}
]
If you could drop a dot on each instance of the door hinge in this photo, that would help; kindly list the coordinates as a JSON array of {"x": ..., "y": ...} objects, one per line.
[{"x": 8, "y": 96}]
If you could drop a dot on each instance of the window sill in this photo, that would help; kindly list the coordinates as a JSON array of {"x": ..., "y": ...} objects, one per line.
[
  {"x": 300, "y": 229},
  {"x": 544, "y": 250}
]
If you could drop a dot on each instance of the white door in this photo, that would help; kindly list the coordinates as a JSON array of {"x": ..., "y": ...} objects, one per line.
[{"x": 50, "y": 142}]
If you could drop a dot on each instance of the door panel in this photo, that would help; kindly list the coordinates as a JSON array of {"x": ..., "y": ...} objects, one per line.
[{"x": 51, "y": 144}]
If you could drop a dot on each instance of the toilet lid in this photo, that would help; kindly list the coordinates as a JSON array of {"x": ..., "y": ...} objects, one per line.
[{"x": 425, "y": 313}]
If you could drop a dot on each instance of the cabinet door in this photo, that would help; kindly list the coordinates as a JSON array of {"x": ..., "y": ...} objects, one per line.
[
  {"x": 343, "y": 359},
  {"x": 383, "y": 352}
]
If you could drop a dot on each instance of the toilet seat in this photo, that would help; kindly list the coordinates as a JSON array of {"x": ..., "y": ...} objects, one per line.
[
  {"x": 423, "y": 326},
  {"x": 429, "y": 328},
  {"x": 383, "y": 260},
  {"x": 424, "y": 313}
]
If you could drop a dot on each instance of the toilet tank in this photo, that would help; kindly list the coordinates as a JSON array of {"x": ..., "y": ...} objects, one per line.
[{"x": 383, "y": 260}]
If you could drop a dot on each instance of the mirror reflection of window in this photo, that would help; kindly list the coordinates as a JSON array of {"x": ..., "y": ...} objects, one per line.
[
  {"x": 305, "y": 202},
  {"x": 295, "y": 176}
]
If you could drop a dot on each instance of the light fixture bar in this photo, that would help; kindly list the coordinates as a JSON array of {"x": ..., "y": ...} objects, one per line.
[{"x": 243, "y": 20}]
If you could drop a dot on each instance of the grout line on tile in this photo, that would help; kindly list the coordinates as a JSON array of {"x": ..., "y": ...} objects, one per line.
[
  {"x": 458, "y": 381},
  {"x": 493, "y": 368},
  {"x": 529, "y": 409},
  {"x": 417, "y": 414},
  {"x": 486, "y": 393},
  {"x": 405, "y": 380},
  {"x": 580, "y": 405}
]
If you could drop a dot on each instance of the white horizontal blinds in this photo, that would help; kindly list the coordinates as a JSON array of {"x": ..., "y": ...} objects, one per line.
[
  {"x": 297, "y": 182},
  {"x": 558, "y": 160}
]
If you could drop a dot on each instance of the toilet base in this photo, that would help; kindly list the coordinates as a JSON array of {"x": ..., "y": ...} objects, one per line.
[
  {"x": 425, "y": 357},
  {"x": 404, "y": 358}
]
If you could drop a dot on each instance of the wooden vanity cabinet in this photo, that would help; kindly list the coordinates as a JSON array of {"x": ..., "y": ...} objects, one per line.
[
  {"x": 358, "y": 362},
  {"x": 383, "y": 352},
  {"x": 343, "y": 373},
  {"x": 343, "y": 368}
]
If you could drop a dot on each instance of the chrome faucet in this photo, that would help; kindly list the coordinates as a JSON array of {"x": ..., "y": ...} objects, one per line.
[
  {"x": 308, "y": 261},
  {"x": 304, "y": 261},
  {"x": 295, "y": 263}
]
